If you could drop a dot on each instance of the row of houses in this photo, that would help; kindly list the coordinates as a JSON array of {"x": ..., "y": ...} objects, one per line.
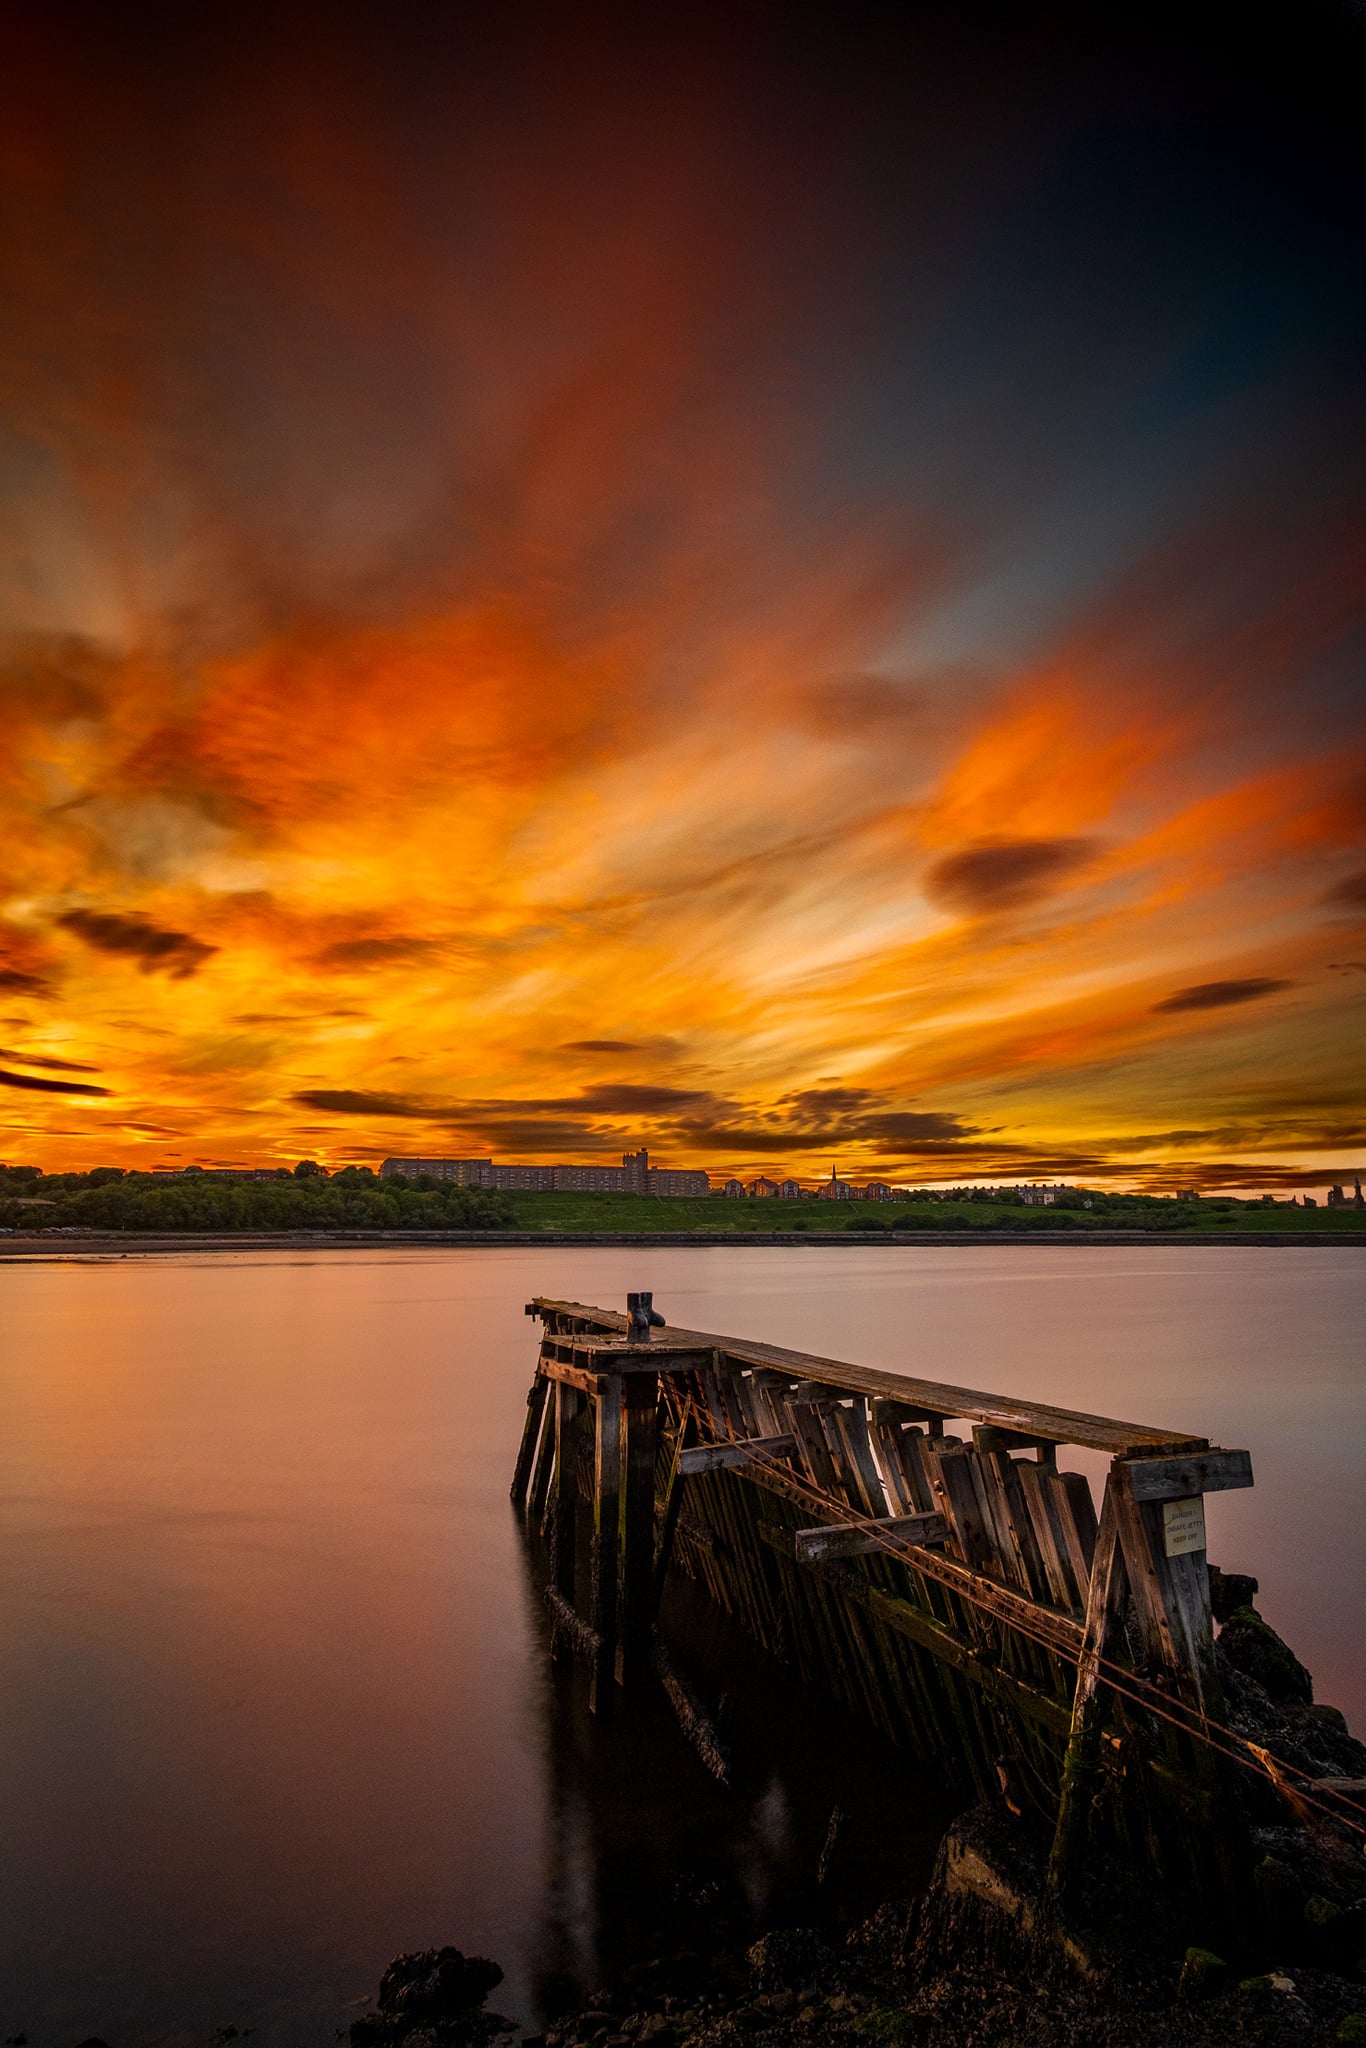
[
  {"x": 832, "y": 1190},
  {"x": 837, "y": 1190}
]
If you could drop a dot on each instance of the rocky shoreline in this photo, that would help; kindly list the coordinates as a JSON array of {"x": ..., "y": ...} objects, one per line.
[
  {"x": 981, "y": 1961},
  {"x": 987, "y": 1958}
]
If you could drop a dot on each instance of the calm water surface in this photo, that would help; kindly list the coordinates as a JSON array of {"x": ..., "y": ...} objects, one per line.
[{"x": 273, "y": 1695}]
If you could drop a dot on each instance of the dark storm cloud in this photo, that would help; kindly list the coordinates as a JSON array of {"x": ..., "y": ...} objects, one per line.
[
  {"x": 601, "y": 1045},
  {"x": 1221, "y": 995},
  {"x": 360, "y": 1102},
  {"x": 178, "y": 954},
  {"x": 16, "y": 982},
  {"x": 1006, "y": 874},
  {"x": 913, "y": 1128},
  {"x": 612, "y": 1099},
  {"x": 1350, "y": 892},
  {"x": 827, "y": 1102},
  {"x": 33, "y": 1059},
  {"x": 34, "y": 1081},
  {"x": 910, "y": 1131},
  {"x": 630, "y": 1099}
]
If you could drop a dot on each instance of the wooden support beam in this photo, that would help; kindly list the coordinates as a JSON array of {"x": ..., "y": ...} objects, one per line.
[
  {"x": 531, "y": 1431},
  {"x": 570, "y": 1628},
  {"x": 567, "y": 1375},
  {"x": 1104, "y": 1609},
  {"x": 640, "y": 1420},
  {"x": 693, "y": 1717},
  {"x": 1177, "y": 1478},
  {"x": 872, "y": 1533},
  {"x": 606, "y": 1540},
  {"x": 722, "y": 1457}
]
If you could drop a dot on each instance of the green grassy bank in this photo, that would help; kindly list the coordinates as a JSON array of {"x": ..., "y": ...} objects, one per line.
[
  {"x": 355, "y": 1199},
  {"x": 715, "y": 1214}
]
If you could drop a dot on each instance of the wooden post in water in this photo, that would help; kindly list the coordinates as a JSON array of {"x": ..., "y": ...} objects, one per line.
[
  {"x": 564, "y": 1529},
  {"x": 607, "y": 1448},
  {"x": 1104, "y": 1612},
  {"x": 531, "y": 1431},
  {"x": 640, "y": 1416}
]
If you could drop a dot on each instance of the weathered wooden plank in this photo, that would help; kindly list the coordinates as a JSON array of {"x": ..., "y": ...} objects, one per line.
[
  {"x": 1063, "y": 1590},
  {"x": 859, "y": 1539},
  {"x": 721, "y": 1457},
  {"x": 1070, "y": 1497},
  {"x": 958, "y": 1500},
  {"x": 1036, "y": 1418},
  {"x": 1174, "y": 1478}
]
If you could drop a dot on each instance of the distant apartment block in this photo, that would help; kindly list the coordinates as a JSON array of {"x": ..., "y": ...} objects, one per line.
[
  {"x": 763, "y": 1187},
  {"x": 635, "y": 1176}
]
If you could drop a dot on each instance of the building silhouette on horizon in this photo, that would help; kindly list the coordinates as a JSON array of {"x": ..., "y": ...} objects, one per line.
[{"x": 635, "y": 1176}]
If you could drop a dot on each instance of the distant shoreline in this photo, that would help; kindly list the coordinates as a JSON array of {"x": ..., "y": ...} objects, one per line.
[{"x": 116, "y": 1243}]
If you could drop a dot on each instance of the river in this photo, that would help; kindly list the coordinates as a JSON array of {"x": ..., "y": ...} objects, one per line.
[{"x": 274, "y": 1703}]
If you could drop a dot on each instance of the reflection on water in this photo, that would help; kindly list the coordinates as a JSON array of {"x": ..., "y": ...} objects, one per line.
[{"x": 274, "y": 1702}]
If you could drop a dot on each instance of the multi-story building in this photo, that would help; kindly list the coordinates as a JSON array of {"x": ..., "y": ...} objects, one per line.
[
  {"x": 876, "y": 1191},
  {"x": 635, "y": 1176},
  {"x": 734, "y": 1188},
  {"x": 763, "y": 1187},
  {"x": 835, "y": 1189},
  {"x": 791, "y": 1190}
]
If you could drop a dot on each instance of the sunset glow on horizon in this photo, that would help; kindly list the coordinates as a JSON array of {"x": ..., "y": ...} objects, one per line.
[{"x": 558, "y": 604}]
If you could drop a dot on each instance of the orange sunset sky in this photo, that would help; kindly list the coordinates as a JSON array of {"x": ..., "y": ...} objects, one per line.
[{"x": 782, "y": 603}]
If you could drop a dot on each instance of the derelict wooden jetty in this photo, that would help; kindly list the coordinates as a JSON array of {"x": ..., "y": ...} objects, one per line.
[{"x": 916, "y": 1547}]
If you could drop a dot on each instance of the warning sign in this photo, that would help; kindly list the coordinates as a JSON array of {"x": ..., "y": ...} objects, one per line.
[{"x": 1183, "y": 1524}]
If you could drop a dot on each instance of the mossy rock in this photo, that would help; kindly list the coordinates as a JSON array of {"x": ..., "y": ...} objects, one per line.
[
  {"x": 1203, "y": 1974},
  {"x": 1250, "y": 1645}
]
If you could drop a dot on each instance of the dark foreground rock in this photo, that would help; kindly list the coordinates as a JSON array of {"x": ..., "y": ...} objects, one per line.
[{"x": 433, "y": 1998}]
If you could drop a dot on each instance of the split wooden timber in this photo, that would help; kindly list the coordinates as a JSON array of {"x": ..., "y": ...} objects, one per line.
[{"x": 957, "y": 1589}]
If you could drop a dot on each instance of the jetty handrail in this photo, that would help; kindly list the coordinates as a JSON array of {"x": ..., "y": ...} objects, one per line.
[{"x": 933, "y": 1397}]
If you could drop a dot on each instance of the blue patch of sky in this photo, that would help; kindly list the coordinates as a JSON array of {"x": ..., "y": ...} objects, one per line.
[{"x": 1124, "y": 351}]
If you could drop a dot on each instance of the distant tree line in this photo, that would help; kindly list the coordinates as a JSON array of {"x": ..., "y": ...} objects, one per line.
[{"x": 111, "y": 1198}]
